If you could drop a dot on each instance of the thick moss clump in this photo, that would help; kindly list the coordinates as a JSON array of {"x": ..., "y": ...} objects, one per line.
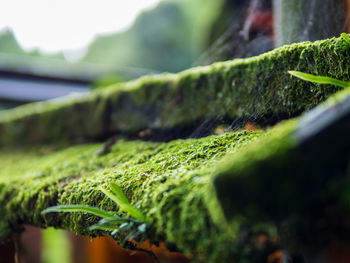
[
  {"x": 258, "y": 86},
  {"x": 168, "y": 182}
]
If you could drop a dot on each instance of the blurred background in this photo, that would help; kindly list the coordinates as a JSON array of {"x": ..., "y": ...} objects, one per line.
[{"x": 54, "y": 48}]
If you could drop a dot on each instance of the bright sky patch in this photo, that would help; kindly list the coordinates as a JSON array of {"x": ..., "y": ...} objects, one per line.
[{"x": 54, "y": 25}]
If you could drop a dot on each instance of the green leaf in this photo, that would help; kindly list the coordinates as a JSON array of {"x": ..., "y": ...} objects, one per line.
[
  {"x": 119, "y": 193},
  {"x": 132, "y": 235},
  {"x": 132, "y": 211},
  {"x": 320, "y": 79},
  {"x": 126, "y": 226},
  {"x": 114, "y": 220},
  {"x": 124, "y": 206},
  {"x": 113, "y": 197},
  {"x": 114, "y": 232},
  {"x": 142, "y": 228},
  {"x": 103, "y": 227},
  {"x": 79, "y": 208}
]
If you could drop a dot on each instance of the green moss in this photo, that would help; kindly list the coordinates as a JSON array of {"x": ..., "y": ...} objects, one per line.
[
  {"x": 234, "y": 89},
  {"x": 197, "y": 193},
  {"x": 295, "y": 176},
  {"x": 166, "y": 181},
  {"x": 245, "y": 177}
]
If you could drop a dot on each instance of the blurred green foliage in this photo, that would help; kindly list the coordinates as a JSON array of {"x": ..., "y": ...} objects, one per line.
[
  {"x": 55, "y": 246},
  {"x": 167, "y": 38},
  {"x": 8, "y": 43},
  {"x": 107, "y": 80}
]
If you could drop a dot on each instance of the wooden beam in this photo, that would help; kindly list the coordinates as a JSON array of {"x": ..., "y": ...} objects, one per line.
[
  {"x": 347, "y": 16},
  {"x": 7, "y": 252}
]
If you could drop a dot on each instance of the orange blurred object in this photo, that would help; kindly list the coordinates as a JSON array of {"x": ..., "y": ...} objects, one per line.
[
  {"x": 275, "y": 257},
  {"x": 249, "y": 126},
  {"x": 99, "y": 250},
  {"x": 105, "y": 250}
]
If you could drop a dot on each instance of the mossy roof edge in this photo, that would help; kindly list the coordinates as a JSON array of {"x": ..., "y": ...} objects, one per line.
[
  {"x": 294, "y": 178},
  {"x": 166, "y": 181},
  {"x": 239, "y": 88},
  {"x": 170, "y": 183}
]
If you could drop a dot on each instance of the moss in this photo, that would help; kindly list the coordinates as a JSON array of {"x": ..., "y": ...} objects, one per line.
[
  {"x": 258, "y": 86},
  {"x": 198, "y": 193},
  {"x": 295, "y": 176},
  {"x": 166, "y": 181},
  {"x": 244, "y": 178}
]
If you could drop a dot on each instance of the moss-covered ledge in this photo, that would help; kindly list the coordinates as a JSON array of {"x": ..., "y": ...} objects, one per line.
[
  {"x": 268, "y": 179},
  {"x": 166, "y": 181},
  {"x": 297, "y": 177},
  {"x": 233, "y": 89}
]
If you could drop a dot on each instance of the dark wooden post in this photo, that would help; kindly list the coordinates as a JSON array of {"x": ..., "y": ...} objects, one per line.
[
  {"x": 347, "y": 15},
  {"x": 7, "y": 252},
  {"x": 308, "y": 20}
]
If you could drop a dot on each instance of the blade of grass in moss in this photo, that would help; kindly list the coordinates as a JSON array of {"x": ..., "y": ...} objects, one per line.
[
  {"x": 79, "y": 208},
  {"x": 115, "y": 220},
  {"x": 119, "y": 192},
  {"x": 132, "y": 211},
  {"x": 104, "y": 228},
  {"x": 320, "y": 79},
  {"x": 113, "y": 197},
  {"x": 126, "y": 207}
]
